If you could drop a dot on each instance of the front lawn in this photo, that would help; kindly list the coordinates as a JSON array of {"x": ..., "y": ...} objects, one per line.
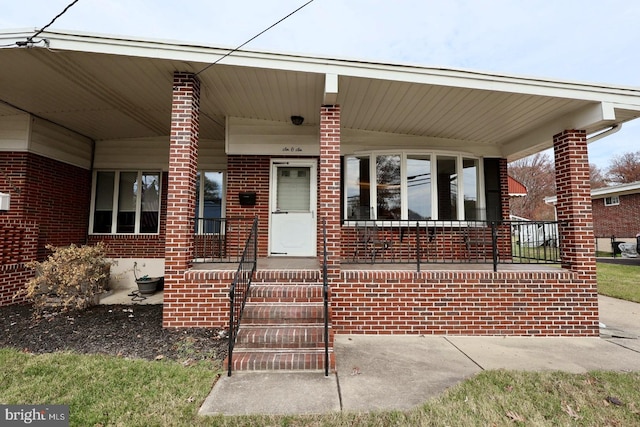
[
  {"x": 619, "y": 281},
  {"x": 114, "y": 391}
]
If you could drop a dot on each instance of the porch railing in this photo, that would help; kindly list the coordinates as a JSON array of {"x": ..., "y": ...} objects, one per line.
[
  {"x": 325, "y": 295},
  {"x": 240, "y": 288},
  {"x": 424, "y": 242},
  {"x": 219, "y": 240}
]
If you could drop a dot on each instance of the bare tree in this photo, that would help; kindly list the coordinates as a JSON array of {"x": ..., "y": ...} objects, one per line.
[
  {"x": 597, "y": 177},
  {"x": 625, "y": 168},
  {"x": 537, "y": 173}
]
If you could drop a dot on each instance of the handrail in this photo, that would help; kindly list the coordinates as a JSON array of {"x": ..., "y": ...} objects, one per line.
[
  {"x": 325, "y": 293},
  {"x": 240, "y": 288}
]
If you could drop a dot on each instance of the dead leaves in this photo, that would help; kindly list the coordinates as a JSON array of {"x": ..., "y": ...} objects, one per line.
[
  {"x": 515, "y": 417},
  {"x": 569, "y": 411}
]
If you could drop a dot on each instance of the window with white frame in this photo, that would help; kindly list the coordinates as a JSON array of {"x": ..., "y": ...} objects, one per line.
[
  {"x": 126, "y": 202},
  {"x": 413, "y": 186},
  {"x": 209, "y": 201},
  {"x": 612, "y": 201}
]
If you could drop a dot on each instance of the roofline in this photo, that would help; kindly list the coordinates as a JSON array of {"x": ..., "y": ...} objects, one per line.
[
  {"x": 628, "y": 188},
  {"x": 600, "y": 193},
  {"x": 626, "y": 96}
]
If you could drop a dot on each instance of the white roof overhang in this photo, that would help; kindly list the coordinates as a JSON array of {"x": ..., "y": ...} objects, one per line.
[
  {"x": 107, "y": 87},
  {"x": 602, "y": 192}
]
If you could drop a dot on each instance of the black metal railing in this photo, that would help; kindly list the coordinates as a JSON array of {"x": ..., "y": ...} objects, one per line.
[
  {"x": 240, "y": 288},
  {"x": 475, "y": 241},
  {"x": 219, "y": 240},
  {"x": 325, "y": 295}
]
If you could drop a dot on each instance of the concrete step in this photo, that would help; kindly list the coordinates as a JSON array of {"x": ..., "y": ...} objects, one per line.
[{"x": 280, "y": 337}]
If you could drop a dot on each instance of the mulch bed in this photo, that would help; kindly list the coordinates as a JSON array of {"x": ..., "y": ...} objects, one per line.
[{"x": 132, "y": 331}]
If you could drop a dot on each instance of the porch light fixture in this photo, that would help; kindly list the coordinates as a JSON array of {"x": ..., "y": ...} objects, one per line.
[{"x": 297, "y": 120}]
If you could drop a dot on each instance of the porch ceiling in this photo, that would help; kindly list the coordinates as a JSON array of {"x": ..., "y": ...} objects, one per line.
[{"x": 109, "y": 88}]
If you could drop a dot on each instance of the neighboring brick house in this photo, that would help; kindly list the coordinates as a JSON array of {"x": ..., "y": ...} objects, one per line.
[
  {"x": 616, "y": 214},
  {"x": 127, "y": 141},
  {"x": 616, "y": 211}
]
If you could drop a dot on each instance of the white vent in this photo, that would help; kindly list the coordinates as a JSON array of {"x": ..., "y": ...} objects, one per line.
[{"x": 4, "y": 202}]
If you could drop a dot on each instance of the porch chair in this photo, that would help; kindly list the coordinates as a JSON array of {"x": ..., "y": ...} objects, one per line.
[{"x": 369, "y": 242}]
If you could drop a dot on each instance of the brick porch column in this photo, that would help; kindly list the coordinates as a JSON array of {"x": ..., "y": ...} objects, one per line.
[
  {"x": 329, "y": 186},
  {"x": 577, "y": 244},
  {"x": 504, "y": 231},
  {"x": 181, "y": 196}
]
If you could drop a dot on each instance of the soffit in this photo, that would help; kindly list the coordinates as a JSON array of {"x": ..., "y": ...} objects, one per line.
[{"x": 107, "y": 96}]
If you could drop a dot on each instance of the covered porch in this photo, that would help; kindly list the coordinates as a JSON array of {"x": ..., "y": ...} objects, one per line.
[{"x": 406, "y": 165}]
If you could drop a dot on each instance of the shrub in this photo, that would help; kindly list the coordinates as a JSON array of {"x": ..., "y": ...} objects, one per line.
[{"x": 71, "y": 278}]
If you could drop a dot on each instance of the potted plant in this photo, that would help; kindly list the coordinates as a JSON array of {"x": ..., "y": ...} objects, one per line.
[
  {"x": 72, "y": 277},
  {"x": 147, "y": 285}
]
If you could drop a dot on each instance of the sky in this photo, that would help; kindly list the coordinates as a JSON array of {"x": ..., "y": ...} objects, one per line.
[{"x": 594, "y": 41}]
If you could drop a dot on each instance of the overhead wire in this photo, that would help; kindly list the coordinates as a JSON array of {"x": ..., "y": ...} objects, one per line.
[
  {"x": 30, "y": 39},
  {"x": 254, "y": 37}
]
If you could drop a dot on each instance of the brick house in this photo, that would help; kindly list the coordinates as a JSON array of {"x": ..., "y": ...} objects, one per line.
[
  {"x": 143, "y": 145},
  {"x": 616, "y": 212}
]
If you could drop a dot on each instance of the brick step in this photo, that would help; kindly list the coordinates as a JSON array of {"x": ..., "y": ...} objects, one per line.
[
  {"x": 282, "y": 313},
  {"x": 259, "y": 360},
  {"x": 268, "y": 293},
  {"x": 280, "y": 337}
]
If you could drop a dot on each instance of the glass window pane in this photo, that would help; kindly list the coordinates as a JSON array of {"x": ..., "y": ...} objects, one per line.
[
  {"x": 388, "y": 186},
  {"x": 293, "y": 192},
  {"x": 470, "y": 176},
  {"x": 128, "y": 191},
  {"x": 198, "y": 207},
  {"x": 447, "y": 188},
  {"x": 358, "y": 188},
  {"x": 419, "y": 187},
  {"x": 103, "y": 213},
  {"x": 150, "y": 202},
  {"x": 212, "y": 195},
  {"x": 212, "y": 201}
]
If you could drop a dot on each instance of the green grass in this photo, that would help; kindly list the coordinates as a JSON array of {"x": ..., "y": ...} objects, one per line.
[
  {"x": 111, "y": 391},
  {"x": 107, "y": 390},
  {"x": 619, "y": 281}
]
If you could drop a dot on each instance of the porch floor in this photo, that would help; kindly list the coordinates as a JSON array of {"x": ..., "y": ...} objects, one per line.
[
  {"x": 123, "y": 297},
  {"x": 290, "y": 263}
]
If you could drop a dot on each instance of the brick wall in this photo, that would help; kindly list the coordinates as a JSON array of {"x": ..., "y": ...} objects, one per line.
[
  {"x": 53, "y": 194},
  {"x": 249, "y": 174},
  {"x": 622, "y": 221},
  {"x": 200, "y": 299},
  {"x": 48, "y": 198},
  {"x": 18, "y": 245},
  {"x": 464, "y": 303},
  {"x": 407, "y": 302}
]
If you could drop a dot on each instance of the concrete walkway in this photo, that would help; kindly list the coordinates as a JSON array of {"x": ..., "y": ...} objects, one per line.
[{"x": 401, "y": 372}]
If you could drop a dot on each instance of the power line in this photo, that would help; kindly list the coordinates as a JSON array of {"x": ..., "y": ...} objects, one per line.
[
  {"x": 53, "y": 20},
  {"x": 30, "y": 39},
  {"x": 254, "y": 37}
]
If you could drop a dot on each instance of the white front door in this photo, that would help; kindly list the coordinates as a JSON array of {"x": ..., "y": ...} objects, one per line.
[{"x": 292, "y": 206}]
